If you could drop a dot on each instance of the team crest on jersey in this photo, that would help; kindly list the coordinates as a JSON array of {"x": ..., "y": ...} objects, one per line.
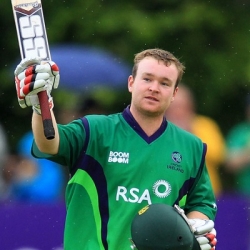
[
  {"x": 176, "y": 166},
  {"x": 177, "y": 157}
]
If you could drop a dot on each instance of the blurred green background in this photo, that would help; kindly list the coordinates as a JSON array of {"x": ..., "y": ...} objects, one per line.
[{"x": 210, "y": 37}]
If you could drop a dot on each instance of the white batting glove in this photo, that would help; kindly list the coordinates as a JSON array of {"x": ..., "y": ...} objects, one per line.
[
  {"x": 204, "y": 232},
  {"x": 32, "y": 77}
]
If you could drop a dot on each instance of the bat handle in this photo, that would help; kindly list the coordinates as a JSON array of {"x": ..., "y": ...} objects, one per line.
[{"x": 49, "y": 131}]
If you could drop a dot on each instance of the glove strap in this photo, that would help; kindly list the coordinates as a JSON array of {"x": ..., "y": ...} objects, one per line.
[{"x": 37, "y": 109}]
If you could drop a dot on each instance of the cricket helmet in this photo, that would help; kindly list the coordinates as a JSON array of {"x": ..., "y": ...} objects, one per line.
[{"x": 161, "y": 227}]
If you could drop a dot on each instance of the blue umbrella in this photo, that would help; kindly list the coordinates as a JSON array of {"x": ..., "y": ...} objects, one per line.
[{"x": 83, "y": 67}]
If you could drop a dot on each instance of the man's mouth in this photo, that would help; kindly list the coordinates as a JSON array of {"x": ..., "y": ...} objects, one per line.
[{"x": 152, "y": 98}]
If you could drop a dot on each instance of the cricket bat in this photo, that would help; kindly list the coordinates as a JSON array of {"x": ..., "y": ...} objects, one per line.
[{"x": 33, "y": 42}]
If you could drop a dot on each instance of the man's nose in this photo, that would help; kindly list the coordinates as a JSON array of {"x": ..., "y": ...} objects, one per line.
[{"x": 154, "y": 86}]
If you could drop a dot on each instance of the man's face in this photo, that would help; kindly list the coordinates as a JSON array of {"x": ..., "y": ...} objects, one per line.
[{"x": 153, "y": 88}]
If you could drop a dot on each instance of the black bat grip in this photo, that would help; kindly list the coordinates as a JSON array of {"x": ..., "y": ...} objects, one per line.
[{"x": 49, "y": 131}]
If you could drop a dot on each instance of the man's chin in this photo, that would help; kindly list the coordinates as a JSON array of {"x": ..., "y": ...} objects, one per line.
[{"x": 152, "y": 112}]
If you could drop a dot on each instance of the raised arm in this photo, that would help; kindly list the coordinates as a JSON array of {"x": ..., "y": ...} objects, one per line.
[{"x": 31, "y": 77}]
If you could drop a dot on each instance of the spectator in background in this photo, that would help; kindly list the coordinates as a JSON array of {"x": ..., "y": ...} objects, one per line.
[
  {"x": 182, "y": 112},
  {"x": 90, "y": 105},
  {"x": 34, "y": 180},
  {"x": 83, "y": 106},
  {"x": 238, "y": 152},
  {"x": 3, "y": 158}
]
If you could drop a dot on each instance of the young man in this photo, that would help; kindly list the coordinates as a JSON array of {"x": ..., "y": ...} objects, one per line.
[{"x": 122, "y": 162}]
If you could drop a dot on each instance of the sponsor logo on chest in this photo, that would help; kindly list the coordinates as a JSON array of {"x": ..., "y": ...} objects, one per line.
[
  {"x": 118, "y": 157},
  {"x": 160, "y": 188}
]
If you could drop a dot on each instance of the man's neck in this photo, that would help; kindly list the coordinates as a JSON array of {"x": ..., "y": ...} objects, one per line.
[{"x": 149, "y": 124}]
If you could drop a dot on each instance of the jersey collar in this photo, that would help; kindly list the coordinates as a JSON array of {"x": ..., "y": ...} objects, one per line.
[{"x": 127, "y": 115}]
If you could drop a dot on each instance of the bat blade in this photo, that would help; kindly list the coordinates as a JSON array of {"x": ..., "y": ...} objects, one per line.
[
  {"x": 33, "y": 42},
  {"x": 31, "y": 31}
]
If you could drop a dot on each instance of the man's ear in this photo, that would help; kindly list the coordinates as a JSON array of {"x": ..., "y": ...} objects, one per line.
[
  {"x": 130, "y": 83},
  {"x": 175, "y": 91}
]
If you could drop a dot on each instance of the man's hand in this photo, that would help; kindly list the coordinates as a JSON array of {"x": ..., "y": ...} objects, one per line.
[
  {"x": 204, "y": 232},
  {"x": 32, "y": 77}
]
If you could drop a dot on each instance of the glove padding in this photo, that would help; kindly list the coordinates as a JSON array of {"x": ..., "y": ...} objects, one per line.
[
  {"x": 204, "y": 232},
  {"x": 31, "y": 77}
]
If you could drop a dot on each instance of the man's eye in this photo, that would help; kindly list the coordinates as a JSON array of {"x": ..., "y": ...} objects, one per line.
[{"x": 146, "y": 79}]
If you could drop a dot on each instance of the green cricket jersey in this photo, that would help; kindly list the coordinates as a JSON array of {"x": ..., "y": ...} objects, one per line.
[{"x": 116, "y": 170}]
